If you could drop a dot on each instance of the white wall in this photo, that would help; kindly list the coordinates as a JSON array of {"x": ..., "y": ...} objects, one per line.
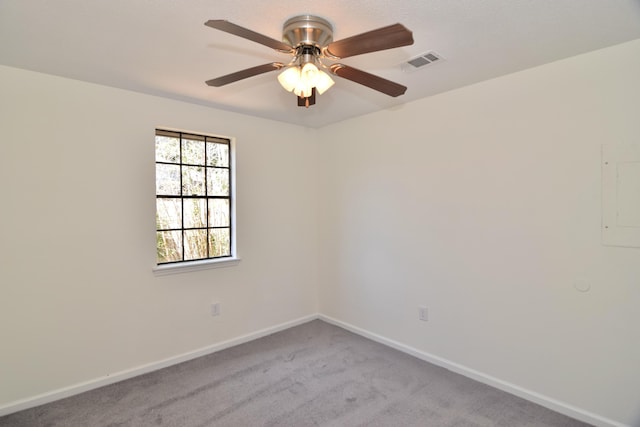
[
  {"x": 484, "y": 205},
  {"x": 78, "y": 299}
]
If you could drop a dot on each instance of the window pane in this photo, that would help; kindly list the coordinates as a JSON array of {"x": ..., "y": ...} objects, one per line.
[
  {"x": 219, "y": 242},
  {"x": 217, "y": 154},
  {"x": 195, "y": 213},
  {"x": 167, "y": 180},
  {"x": 195, "y": 244},
  {"x": 193, "y": 203},
  {"x": 192, "y": 152},
  {"x": 168, "y": 213},
  {"x": 169, "y": 246},
  {"x": 193, "y": 180},
  {"x": 167, "y": 149},
  {"x": 219, "y": 213},
  {"x": 217, "y": 182}
]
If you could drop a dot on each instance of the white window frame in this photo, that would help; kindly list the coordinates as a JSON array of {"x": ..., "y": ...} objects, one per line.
[{"x": 205, "y": 264}]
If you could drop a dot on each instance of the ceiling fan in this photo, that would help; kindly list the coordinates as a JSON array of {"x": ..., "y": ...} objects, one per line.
[{"x": 309, "y": 39}]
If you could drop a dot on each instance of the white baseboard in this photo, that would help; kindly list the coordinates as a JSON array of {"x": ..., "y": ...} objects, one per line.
[
  {"x": 72, "y": 390},
  {"x": 532, "y": 396},
  {"x": 547, "y": 402}
]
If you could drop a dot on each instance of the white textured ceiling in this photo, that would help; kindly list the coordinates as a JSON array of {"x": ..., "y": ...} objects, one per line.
[{"x": 162, "y": 47}]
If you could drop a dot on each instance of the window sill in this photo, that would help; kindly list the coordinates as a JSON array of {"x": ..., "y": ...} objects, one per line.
[{"x": 186, "y": 267}]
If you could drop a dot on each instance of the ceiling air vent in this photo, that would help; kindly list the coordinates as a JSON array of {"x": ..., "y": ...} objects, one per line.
[{"x": 421, "y": 61}]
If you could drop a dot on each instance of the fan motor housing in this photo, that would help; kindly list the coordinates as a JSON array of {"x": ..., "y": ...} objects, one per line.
[{"x": 304, "y": 30}]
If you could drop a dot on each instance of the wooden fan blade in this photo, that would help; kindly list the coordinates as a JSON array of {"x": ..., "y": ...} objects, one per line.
[
  {"x": 243, "y": 74},
  {"x": 381, "y": 39},
  {"x": 236, "y": 30},
  {"x": 374, "y": 82}
]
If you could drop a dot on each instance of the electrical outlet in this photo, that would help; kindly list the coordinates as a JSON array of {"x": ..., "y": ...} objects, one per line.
[
  {"x": 215, "y": 309},
  {"x": 423, "y": 313}
]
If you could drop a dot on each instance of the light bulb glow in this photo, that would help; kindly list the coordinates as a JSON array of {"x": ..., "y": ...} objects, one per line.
[
  {"x": 303, "y": 89},
  {"x": 289, "y": 78},
  {"x": 309, "y": 73}
]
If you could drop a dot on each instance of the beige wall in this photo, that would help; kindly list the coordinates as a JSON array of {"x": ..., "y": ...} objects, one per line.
[
  {"x": 484, "y": 204},
  {"x": 78, "y": 297}
]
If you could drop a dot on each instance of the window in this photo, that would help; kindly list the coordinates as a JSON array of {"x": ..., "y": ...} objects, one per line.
[{"x": 194, "y": 206}]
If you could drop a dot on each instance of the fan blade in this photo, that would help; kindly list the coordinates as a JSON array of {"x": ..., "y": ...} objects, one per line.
[
  {"x": 236, "y": 30},
  {"x": 374, "y": 82},
  {"x": 381, "y": 39},
  {"x": 243, "y": 74}
]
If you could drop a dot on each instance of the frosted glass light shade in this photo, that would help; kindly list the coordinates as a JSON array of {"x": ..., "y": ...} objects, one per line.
[
  {"x": 289, "y": 78},
  {"x": 309, "y": 73},
  {"x": 323, "y": 82}
]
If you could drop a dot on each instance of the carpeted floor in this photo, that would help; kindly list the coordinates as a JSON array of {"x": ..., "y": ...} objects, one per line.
[{"x": 314, "y": 374}]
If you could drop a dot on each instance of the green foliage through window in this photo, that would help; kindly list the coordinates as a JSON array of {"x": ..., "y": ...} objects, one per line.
[{"x": 193, "y": 197}]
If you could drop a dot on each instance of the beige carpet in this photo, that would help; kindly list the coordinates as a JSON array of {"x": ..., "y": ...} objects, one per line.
[{"x": 315, "y": 374}]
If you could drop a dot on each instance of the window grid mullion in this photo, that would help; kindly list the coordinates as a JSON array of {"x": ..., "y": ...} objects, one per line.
[
  {"x": 160, "y": 162},
  {"x": 231, "y": 242},
  {"x": 214, "y": 227},
  {"x": 206, "y": 198},
  {"x": 176, "y": 196},
  {"x": 181, "y": 200}
]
